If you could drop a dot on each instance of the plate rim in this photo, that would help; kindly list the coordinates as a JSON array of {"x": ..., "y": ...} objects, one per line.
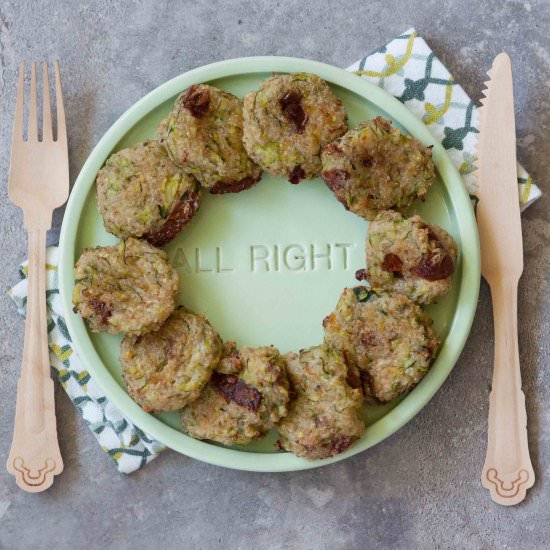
[{"x": 459, "y": 327}]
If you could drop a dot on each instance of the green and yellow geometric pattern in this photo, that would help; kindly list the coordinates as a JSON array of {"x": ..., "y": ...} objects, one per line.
[{"x": 407, "y": 68}]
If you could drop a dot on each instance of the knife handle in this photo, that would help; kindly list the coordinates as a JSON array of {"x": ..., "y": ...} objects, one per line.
[{"x": 507, "y": 472}]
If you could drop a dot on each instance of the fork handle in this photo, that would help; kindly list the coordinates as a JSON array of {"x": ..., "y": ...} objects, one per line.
[
  {"x": 507, "y": 472},
  {"x": 34, "y": 457}
]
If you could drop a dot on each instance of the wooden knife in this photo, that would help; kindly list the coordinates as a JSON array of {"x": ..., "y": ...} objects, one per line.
[{"x": 507, "y": 472}]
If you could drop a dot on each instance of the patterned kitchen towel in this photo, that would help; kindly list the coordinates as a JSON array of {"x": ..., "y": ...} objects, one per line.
[
  {"x": 407, "y": 69},
  {"x": 125, "y": 443}
]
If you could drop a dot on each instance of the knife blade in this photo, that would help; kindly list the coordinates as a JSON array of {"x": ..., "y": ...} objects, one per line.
[
  {"x": 498, "y": 213},
  {"x": 507, "y": 471}
]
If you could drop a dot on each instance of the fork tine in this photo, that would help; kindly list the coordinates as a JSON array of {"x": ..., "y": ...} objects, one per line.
[
  {"x": 61, "y": 129},
  {"x": 17, "y": 134},
  {"x": 33, "y": 109},
  {"x": 47, "y": 134}
]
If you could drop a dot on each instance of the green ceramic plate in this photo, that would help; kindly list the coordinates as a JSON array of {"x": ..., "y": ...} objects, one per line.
[{"x": 266, "y": 265}]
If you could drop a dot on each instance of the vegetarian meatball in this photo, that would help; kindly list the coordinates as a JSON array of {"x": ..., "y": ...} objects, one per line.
[
  {"x": 203, "y": 135},
  {"x": 409, "y": 256},
  {"x": 388, "y": 336},
  {"x": 129, "y": 288},
  {"x": 239, "y": 407},
  {"x": 375, "y": 167},
  {"x": 167, "y": 369},
  {"x": 142, "y": 193},
  {"x": 288, "y": 121},
  {"x": 324, "y": 417}
]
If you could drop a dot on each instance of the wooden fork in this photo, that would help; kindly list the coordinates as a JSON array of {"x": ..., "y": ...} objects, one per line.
[{"x": 38, "y": 183}]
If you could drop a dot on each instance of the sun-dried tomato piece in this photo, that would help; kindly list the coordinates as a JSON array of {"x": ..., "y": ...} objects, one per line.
[
  {"x": 432, "y": 237},
  {"x": 221, "y": 187},
  {"x": 197, "y": 100},
  {"x": 180, "y": 216},
  {"x": 234, "y": 389},
  {"x": 393, "y": 263},
  {"x": 291, "y": 105},
  {"x": 297, "y": 175},
  {"x": 434, "y": 267}
]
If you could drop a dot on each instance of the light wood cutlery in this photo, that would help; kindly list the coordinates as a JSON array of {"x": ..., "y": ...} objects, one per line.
[
  {"x": 507, "y": 472},
  {"x": 38, "y": 183}
]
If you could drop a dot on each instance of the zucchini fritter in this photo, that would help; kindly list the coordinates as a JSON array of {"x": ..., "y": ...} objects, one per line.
[
  {"x": 387, "y": 336},
  {"x": 324, "y": 417},
  {"x": 129, "y": 288},
  {"x": 375, "y": 167},
  {"x": 409, "y": 256},
  {"x": 203, "y": 135},
  {"x": 288, "y": 121},
  {"x": 239, "y": 407},
  {"x": 142, "y": 193},
  {"x": 167, "y": 369}
]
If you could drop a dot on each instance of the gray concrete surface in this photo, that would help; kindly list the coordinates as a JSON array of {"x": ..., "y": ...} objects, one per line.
[{"x": 420, "y": 488}]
